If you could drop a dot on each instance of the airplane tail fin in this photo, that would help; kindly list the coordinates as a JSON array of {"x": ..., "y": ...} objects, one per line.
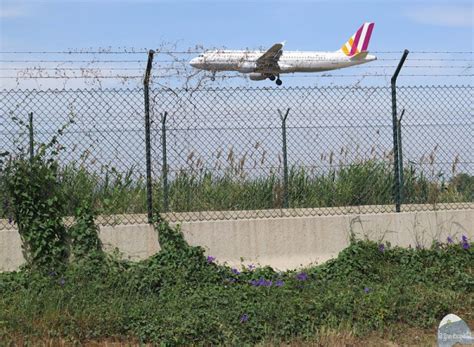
[{"x": 359, "y": 42}]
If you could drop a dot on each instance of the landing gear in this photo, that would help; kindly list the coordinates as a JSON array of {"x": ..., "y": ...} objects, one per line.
[
  {"x": 213, "y": 76},
  {"x": 273, "y": 78}
]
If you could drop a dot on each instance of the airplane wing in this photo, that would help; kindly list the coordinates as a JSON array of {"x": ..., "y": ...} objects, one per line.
[{"x": 269, "y": 59}]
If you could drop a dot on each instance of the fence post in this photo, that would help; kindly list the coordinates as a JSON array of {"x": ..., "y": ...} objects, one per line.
[
  {"x": 149, "y": 184},
  {"x": 400, "y": 155},
  {"x": 30, "y": 130},
  {"x": 285, "y": 157},
  {"x": 396, "y": 154},
  {"x": 164, "y": 171}
]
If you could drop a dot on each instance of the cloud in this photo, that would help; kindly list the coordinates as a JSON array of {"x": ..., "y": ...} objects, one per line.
[{"x": 443, "y": 15}]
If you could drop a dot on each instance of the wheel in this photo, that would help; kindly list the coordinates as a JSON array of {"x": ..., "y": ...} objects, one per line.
[
  {"x": 272, "y": 78},
  {"x": 279, "y": 82}
]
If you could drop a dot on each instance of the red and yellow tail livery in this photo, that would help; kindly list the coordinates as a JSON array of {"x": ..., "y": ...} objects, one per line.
[{"x": 359, "y": 42}]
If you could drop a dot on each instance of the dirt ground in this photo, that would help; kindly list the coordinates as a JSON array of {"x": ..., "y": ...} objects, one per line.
[
  {"x": 396, "y": 336},
  {"x": 399, "y": 337}
]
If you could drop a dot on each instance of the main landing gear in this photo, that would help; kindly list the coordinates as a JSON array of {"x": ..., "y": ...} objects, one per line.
[{"x": 278, "y": 80}]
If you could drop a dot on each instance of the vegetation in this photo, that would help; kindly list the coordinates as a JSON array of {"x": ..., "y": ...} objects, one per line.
[
  {"x": 179, "y": 296},
  {"x": 231, "y": 187},
  {"x": 69, "y": 288},
  {"x": 365, "y": 183}
]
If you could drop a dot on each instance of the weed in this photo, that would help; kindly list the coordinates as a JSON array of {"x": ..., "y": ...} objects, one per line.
[{"x": 178, "y": 297}]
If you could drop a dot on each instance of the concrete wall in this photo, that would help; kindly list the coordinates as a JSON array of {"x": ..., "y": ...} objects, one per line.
[{"x": 283, "y": 242}]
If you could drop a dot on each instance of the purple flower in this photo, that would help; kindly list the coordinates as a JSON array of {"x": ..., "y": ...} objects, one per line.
[
  {"x": 279, "y": 283},
  {"x": 381, "y": 247},
  {"x": 302, "y": 276},
  {"x": 235, "y": 271},
  {"x": 244, "y": 318},
  {"x": 464, "y": 242},
  {"x": 251, "y": 267},
  {"x": 210, "y": 259},
  {"x": 449, "y": 239},
  {"x": 261, "y": 282},
  {"x": 367, "y": 290},
  {"x": 62, "y": 282},
  {"x": 10, "y": 220}
]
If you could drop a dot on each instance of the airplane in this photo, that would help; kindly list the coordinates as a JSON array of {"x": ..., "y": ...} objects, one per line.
[{"x": 260, "y": 65}]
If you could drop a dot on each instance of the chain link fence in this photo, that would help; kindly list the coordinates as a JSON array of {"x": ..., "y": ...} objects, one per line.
[
  {"x": 252, "y": 152},
  {"x": 104, "y": 146},
  {"x": 233, "y": 150}
]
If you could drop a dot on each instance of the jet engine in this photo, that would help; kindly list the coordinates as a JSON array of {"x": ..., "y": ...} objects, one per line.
[
  {"x": 255, "y": 76},
  {"x": 246, "y": 66}
]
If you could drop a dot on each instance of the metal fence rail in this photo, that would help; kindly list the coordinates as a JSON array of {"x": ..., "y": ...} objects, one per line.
[{"x": 306, "y": 151}]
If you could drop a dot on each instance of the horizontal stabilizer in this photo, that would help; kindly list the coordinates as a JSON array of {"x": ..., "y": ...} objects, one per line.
[{"x": 359, "y": 56}]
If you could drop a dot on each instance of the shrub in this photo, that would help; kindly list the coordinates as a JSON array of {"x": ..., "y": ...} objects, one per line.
[{"x": 181, "y": 297}]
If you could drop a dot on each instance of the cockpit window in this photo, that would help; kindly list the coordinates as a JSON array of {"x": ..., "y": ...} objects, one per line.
[{"x": 201, "y": 55}]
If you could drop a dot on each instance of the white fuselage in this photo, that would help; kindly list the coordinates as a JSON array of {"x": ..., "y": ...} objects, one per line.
[{"x": 289, "y": 61}]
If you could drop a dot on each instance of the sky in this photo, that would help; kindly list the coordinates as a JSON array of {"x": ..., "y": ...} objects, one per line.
[{"x": 433, "y": 26}]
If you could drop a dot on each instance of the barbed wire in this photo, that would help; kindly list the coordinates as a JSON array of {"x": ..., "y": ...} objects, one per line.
[
  {"x": 73, "y": 77},
  {"x": 158, "y": 51},
  {"x": 415, "y": 66},
  {"x": 74, "y": 52},
  {"x": 74, "y": 68},
  {"x": 183, "y": 68},
  {"x": 174, "y": 67},
  {"x": 231, "y": 128},
  {"x": 72, "y": 61},
  {"x": 378, "y": 59},
  {"x": 232, "y": 76},
  {"x": 94, "y": 61}
]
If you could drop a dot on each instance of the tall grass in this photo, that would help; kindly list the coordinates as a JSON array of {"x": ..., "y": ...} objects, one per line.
[
  {"x": 110, "y": 191},
  {"x": 364, "y": 183}
]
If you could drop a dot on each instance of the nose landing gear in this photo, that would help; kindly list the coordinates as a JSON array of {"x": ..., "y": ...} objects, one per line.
[{"x": 278, "y": 82}]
